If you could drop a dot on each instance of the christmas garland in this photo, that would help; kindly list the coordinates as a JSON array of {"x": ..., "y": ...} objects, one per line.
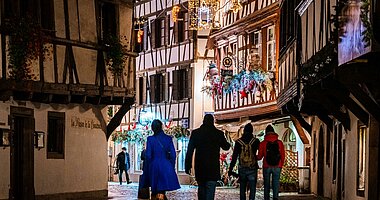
[
  {"x": 141, "y": 134},
  {"x": 115, "y": 54},
  {"x": 368, "y": 32},
  {"x": 245, "y": 82}
]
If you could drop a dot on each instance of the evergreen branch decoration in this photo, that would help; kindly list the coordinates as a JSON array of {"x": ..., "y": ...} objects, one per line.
[
  {"x": 115, "y": 54},
  {"x": 368, "y": 32},
  {"x": 27, "y": 43}
]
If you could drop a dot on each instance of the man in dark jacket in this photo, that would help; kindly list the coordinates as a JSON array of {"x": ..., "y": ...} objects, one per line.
[
  {"x": 207, "y": 141},
  {"x": 123, "y": 164},
  {"x": 247, "y": 161},
  {"x": 272, "y": 149}
]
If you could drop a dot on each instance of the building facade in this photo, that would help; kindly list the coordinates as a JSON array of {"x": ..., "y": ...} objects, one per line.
[
  {"x": 245, "y": 90},
  {"x": 169, "y": 76},
  {"x": 326, "y": 82},
  {"x": 56, "y": 82}
]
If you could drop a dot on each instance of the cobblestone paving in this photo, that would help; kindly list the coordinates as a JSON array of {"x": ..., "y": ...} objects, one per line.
[{"x": 129, "y": 192}]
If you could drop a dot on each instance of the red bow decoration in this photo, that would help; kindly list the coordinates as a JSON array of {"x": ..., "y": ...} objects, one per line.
[{"x": 243, "y": 94}]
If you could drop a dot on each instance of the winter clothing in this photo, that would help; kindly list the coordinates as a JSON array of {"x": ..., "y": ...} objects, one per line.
[
  {"x": 123, "y": 165},
  {"x": 207, "y": 140},
  {"x": 159, "y": 171},
  {"x": 271, "y": 136},
  {"x": 246, "y": 174}
]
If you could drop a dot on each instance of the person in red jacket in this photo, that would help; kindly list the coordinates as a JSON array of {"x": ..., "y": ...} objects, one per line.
[{"x": 273, "y": 152}]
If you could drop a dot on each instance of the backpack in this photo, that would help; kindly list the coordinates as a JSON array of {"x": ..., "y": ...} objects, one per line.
[
  {"x": 273, "y": 156},
  {"x": 247, "y": 158}
]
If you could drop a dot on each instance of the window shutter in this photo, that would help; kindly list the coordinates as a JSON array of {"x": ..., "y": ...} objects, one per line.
[
  {"x": 153, "y": 34},
  {"x": 145, "y": 37},
  {"x": 167, "y": 29},
  {"x": 144, "y": 90},
  {"x": 175, "y": 85},
  {"x": 188, "y": 83},
  {"x": 166, "y": 86},
  {"x": 176, "y": 30},
  {"x": 152, "y": 88}
]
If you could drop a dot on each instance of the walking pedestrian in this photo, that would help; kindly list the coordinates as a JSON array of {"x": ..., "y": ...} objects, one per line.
[
  {"x": 123, "y": 165},
  {"x": 206, "y": 141},
  {"x": 273, "y": 152},
  {"x": 160, "y": 159},
  {"x": 246, "y": 149}
]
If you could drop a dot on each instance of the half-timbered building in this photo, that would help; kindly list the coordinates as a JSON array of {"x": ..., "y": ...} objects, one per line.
[
  {"x": 58, "y": 74},
  {"x": 246, "y": 52},
  {"x": 169, "y": 71},
  {"x": 327, "y": 81}
]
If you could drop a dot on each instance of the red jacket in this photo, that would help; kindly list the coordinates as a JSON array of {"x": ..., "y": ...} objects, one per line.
[{"x": 262, "y": 150}]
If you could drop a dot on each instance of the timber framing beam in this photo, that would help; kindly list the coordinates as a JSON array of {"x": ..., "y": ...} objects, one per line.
[
  {"x": 116, "y": 120},
  {"x": 300, "y": 131},
  {"x": 366, "y": 101}
]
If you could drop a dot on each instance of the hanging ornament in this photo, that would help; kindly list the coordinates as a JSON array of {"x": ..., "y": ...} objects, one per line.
[
  {"x": 243, "y": 94},
  {"x": 236, "y": 6},
  {"x": 175, "y": 11},
  {"x": 140, "y": 34}
]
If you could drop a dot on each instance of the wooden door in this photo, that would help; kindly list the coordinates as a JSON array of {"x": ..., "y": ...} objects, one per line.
[
  {"x": 321, "y": 159},
  {"x": 22, "y": 154}
]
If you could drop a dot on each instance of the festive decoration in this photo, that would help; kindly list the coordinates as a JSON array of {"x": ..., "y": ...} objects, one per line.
[
  {"x": 175, "y": 11},
  {"x": 247, "y": 81},
  {"x": 115, "y": 54},
  {"x": 364, "y": 16},
  {"x": 27, "y": 44},
  {"x": 140, "y": 34},
  {"x": 202, "y": 14},
  {"x": 236, "y": 6},
  {"x": 141, "y": 134}
]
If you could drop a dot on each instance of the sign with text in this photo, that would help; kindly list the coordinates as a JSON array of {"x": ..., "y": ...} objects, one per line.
[
  {"x": 227, "y": 72},
  {"x": 77, "y": 122}
]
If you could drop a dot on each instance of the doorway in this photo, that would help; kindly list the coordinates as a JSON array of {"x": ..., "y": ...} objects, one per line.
[
  {"x": 22, "y": 154},
  {"x": 321, "y": 159}
]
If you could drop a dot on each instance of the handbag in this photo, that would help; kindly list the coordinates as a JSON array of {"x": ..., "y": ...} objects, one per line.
[
  {"x": 143, "y": 192},
  {"x": 167, "y": 152}
]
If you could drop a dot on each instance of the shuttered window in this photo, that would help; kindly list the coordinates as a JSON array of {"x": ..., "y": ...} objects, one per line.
[
  {"x": 182, "y": 84},
  {"x": 158, "y": 88},
  {"x": 108, "y": 19}
]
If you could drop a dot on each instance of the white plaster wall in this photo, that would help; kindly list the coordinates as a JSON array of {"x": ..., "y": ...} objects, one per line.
[
  {"x": 84, "y": 167},
  {"x": 201, "y": 102}
]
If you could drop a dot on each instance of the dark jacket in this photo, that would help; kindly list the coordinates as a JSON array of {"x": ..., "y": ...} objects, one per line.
[
  {"x": 121, "y": 164},
  {"x": 246, "y": 138},
  {"x": 207, "y": 141},
  {"x": 263, "y": 149}
]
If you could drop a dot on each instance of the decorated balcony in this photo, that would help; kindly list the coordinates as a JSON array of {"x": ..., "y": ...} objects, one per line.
[{"x": 246, "y": 93}]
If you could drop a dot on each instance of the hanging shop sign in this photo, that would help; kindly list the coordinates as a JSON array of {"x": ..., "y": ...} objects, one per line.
[
  {"x": 227, "y": 62},
  {"x": 227, "y": 72}
]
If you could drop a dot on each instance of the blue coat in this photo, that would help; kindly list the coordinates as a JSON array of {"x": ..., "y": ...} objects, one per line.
[{"x": 159, "y": 171}]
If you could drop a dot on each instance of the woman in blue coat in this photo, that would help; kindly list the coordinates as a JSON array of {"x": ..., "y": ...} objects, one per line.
[{"x": 160, "y": 156}]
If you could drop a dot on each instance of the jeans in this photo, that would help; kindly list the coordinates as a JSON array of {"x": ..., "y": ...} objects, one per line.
[
  {"x": 206, "y": 190},
  {"x": 121, "y": 175},
  {"x": 248, "y": 175},
  {"x": 275, "y": 172}
]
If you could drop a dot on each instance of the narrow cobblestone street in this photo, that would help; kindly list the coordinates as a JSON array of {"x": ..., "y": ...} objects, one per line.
[{"x": 123, "y": 192}]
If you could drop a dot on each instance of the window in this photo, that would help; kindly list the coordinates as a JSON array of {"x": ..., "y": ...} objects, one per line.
[
  {"x": 142, "y": 91},
  {"x": 108, "y": 19},
  {"x": 139, "y": 146},
  {"x": 56, "y": 135},
  {"x": 182, "y": 84},
  {"x": 328, "y": 148},
  {"x": 158, "y": 88},
  {"x": 314, "y": 151},
  {"x": 162, "y": 31},
  {"x": 47, "y": 15},
  {"x": 181, "y": 32},
  {"x": 255, "y": 53},
  {"x": 271, "y": 49},
  {"x": 289, "y": 139},
  {"x": 182, "y": 146},
  {"x": 158, "y": 32},
  {"x": 361, "y": 160}
]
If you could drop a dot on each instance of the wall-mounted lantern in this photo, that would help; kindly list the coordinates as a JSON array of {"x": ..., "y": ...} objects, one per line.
[
  {"x": 39, "y": 139},
  {"x": 5, "y": 137}
]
